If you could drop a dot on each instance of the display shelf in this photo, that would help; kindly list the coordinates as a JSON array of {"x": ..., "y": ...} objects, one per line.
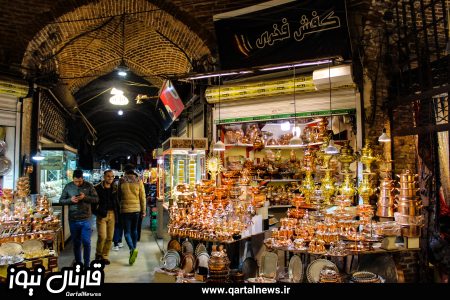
[
  {"x": 275, "y": 146},
  {"x": 239, "y": 145},
  {"x": 279, "y": 180},
  {"x": 280, "y": 206},
  {"x": 293, "y": 146}
]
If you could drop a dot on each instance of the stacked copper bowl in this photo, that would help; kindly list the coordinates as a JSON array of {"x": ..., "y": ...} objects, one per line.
[
  {"x": 23, "y": 187},
  {"x": 219, "y": 266},
  {"x": 409, "y": 206},
  {"x": 385, "y": 204}
]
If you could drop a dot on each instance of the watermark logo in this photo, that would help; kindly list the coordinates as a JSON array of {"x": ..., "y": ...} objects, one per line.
[{"x": 57, "y": 282}]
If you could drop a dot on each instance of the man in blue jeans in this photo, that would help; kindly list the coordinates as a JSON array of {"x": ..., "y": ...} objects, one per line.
[{"x": 80, "y": 195}]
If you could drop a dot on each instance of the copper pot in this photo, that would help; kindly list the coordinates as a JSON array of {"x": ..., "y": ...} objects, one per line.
[
  {"x": 385, "y": 211},
  {"x": 408, "y": 185},
  {"x": 386, "y": 201},
  {"x": 386, "y": 183},
  {"x": 386, "y": 193},
  {"x": 408, "y": 220},
  {"x": 410, "y": 209},
  {"x": 407, "y": 192},
  {"x": 411, "y": 231},
  {"x": 407, "y": 176},
  {"x": 407, "y": 201}
]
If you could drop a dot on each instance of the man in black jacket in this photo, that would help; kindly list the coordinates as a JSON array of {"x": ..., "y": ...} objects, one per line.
[
  {"x": 107, "y": 213},
  {"x": 80, "y": 196}
]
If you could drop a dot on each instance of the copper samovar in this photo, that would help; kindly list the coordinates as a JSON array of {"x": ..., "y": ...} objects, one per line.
[
  {"x": 308, "y": 185},
  {"x": 346, "y": 158},
  {"x": 367, "y": 157}
]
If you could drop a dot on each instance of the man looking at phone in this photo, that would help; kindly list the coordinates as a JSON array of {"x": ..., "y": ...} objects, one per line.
[{"x": 79, "y": 195}]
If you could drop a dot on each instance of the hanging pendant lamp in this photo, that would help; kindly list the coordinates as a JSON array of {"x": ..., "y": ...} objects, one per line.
[
  {"x": 331, "y": 149},
  {"x": 219, "y": 145}
]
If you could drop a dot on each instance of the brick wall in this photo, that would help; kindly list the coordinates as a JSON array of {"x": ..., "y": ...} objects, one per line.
[
  {"x": 407, "y": 266},
  {"x": 380, "y": 64}
]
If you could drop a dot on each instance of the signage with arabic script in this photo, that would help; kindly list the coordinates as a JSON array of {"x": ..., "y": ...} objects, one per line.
[{"x": 288, "y": 32}]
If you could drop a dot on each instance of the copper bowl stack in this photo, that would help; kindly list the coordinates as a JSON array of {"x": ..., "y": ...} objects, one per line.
[
  {"x": 385, "y": 203},
  {"x": 23, "y": 187},
  {"x": 409, "y": 205},
  {"x": 219, "y": 267},
  {"x": 329, "y": 275}
]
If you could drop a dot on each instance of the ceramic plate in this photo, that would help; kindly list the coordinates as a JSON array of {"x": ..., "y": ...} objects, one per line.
[
  {"x": 171, "y": 260},
  {"x": 2, "y": 147},
  {"x": 314, "y": 268},
  {"x": 5, "y": 165},
  {"x": 188, "y": 262},
  {"x": 175, "y": 254},
  {"x": 200, "y": 249},
  {"x": 11, "y": 248},
  {"x": 30, "y": 246},
  {"x": 187, "y": 247},
  {"x": 174, "y": 245},
  {"x": 295, "y": 270},
  {"x": 269, "y": 264},
  {"x": 202, "y": 260}
]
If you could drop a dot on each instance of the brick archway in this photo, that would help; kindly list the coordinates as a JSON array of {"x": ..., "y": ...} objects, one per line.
[{"x": 84, "y": 42}]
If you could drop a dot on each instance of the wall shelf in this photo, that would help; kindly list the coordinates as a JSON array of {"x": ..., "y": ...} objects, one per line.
[{"x": 279, "y": 180}]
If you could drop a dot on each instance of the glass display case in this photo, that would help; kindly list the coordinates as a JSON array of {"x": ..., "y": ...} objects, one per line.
[
  {"x": 182, "y": 166},
  {"x": 56, "y": 169}
]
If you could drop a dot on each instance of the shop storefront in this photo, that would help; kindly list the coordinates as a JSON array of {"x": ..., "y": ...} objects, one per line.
[
  {"x": 29, "y": 232},
  {"x": 279, "y": 199}
]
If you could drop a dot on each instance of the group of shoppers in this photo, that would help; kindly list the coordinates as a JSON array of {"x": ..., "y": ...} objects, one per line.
[{"x": 112, "y": 204}]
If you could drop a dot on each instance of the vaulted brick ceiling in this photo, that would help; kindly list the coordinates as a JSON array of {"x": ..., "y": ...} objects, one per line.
[
  {"x": 78, "y": 43},
  {"x": 81, "y": 40}
]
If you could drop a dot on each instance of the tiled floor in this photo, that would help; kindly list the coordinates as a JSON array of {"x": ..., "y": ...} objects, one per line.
[{"x": 119, "y": 270}]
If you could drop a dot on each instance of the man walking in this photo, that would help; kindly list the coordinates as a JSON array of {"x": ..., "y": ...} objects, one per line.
[
  {"x": 132, "y": 205},
  {"x": 107, "y": 213},
  {"x": 80, "y": 195}
]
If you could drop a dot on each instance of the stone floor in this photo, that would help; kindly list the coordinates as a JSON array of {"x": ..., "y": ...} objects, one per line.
[{"x": 150, "y": 252}]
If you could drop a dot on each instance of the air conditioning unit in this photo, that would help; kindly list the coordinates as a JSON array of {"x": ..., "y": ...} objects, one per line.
[{"x": 340, "y": 76}]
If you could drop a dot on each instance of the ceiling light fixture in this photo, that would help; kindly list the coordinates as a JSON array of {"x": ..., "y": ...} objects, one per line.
[
  {"x": 122, "y": 69},
  {"x": 384, "y": 138},
  {"x": 120, "y": 112},
  {"x": 38, "y": 156},
  {"x": 192, "y": 153},
  {"x": 295, "y": 140},
  {"x": 118, "y": 98},
  {"x": 219, "y": 145},
  {"x": 331, "y": 149}
]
